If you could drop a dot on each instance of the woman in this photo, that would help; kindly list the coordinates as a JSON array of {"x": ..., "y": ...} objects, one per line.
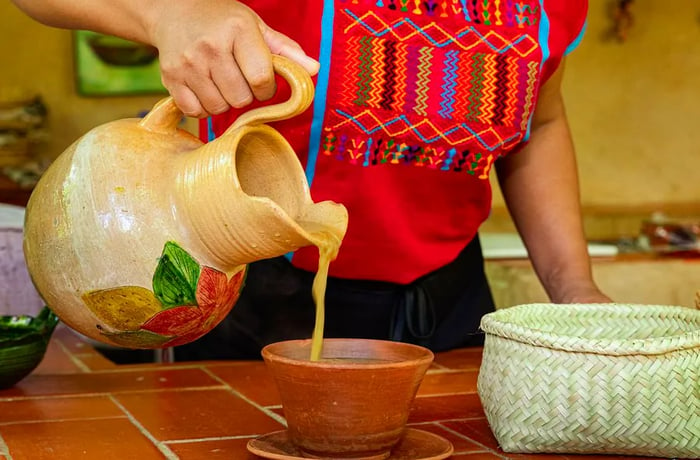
[{"x": 416, "y": 103}]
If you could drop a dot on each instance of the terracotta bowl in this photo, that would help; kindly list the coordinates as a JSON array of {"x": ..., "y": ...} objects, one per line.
[
  {"x": 355, "y": 401},
  {"x": 23, "y": 342}
]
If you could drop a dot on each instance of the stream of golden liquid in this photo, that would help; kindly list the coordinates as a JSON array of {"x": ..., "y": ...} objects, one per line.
[{"x": 328, "y": 245}]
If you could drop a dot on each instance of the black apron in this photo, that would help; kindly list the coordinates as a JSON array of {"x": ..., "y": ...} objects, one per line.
[{"x": 440, "y": 311}]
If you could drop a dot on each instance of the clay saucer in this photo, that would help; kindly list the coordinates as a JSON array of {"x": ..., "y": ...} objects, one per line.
[{"x": 415, "y": 445}]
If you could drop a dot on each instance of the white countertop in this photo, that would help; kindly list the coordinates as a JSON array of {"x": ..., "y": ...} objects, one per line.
[{"x": 510, "y": 246}]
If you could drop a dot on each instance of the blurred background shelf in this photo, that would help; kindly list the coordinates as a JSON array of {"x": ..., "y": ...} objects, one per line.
[{"x": 13, "y": 193}]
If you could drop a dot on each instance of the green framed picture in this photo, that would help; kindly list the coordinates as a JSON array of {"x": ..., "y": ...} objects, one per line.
[{"x": 107, "y": 65}]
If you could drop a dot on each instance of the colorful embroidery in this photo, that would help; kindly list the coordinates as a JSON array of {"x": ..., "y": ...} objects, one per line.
[
  {"x": 466, "y": 38},
  {"x": 419, "y": 90},
  {"x": 376, "y": 151},
  {"x": 488, "y": 12}
]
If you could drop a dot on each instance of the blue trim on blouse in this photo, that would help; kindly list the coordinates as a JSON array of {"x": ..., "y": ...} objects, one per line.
[
  {"x": 544, "y": 34},
  {"x": 572, "y": 46},
  {"x": 321, "y": 88},
  {"x": 543, "y": 40},
  {"x": 210, "y": 130},
  {"x": 321, "y": 92}
]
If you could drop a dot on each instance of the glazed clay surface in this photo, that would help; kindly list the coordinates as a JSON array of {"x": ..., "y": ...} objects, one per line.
[{"x": 138, "y": 235}]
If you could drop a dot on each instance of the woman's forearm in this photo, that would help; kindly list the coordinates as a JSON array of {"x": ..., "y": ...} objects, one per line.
[
  {"x": 540, "y": 186},
  {"x": 130, "y": 19},
  {"x": 213, "y": 54}
]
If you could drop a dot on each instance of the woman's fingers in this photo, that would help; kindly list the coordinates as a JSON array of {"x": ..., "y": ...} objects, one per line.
[
  {"x": 221, "y": 57},
  {"x": 187, "y": 101},
  {"x": 231, "y": 83},
  {"x": 253, "y": 57}
]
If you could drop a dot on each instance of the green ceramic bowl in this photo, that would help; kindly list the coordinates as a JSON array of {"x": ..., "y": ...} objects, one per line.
[{"x": 23, "y": 342}]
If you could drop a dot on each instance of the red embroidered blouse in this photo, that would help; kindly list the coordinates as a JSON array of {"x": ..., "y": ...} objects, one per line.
[{"x": 414, "y": 102}]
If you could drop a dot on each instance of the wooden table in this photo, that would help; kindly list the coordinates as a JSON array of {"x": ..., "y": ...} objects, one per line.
[{"x": 79, "y": 405}]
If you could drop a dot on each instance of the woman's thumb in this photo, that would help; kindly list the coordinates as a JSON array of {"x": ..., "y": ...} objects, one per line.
[{"x": 284, "y": 46}]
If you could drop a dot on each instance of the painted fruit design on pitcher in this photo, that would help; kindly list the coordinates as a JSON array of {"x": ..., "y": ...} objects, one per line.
[{"x": 187, "y": 301}]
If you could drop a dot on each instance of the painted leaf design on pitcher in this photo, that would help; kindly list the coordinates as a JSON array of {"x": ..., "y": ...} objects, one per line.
[
  {"x": 215, "y": 295},
  {"x": 176, "y": 276},
  {"x": 187, "y": 301},
  {"x": 124, "y": 308}
]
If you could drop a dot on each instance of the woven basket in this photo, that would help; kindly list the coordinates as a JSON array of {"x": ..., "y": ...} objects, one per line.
[{"x": 599, "y": 378}]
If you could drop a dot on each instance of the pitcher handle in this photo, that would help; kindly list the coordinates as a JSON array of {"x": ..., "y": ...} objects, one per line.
[
  {"x": 165, "y": 115},
  {"x": 302, "y": 94}
]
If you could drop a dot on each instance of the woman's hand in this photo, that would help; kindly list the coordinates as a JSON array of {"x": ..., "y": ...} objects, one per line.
[
  {"x": 585, "y": 292},
  {"x": 216, "y": 54}
]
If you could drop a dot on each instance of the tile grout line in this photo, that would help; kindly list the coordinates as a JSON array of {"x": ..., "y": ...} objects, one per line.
[
  {"x": 161, "y": 446},
  {"x": 263, "y": 409},
  {"x": 465, "y": 437},
  {"x": 4, "y": 449},
  {"x": 460, "y": 419},
  {"x": 213, "y": 438},
  {"x": 91, "y": 395},
  {"x": 438, "y": 395},
  {"x": 485, "y": 450},
  {"x": 58, "y": 420},
  {"x": 452, "y": 393},
  {"x": 81, "y": 365},
  {"x": 439, "y": 366},
  {"x": 127, "y": 368},
  {"x": 450, "y": 371}
]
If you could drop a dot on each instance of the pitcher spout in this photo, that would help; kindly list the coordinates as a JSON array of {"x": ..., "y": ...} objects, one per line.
[
  {"x": 246, "y": 197},
  {"x": 323, "y": 220}
]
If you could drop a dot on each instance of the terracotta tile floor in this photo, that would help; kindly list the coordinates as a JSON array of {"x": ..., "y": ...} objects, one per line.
[{"x": 77, "y": 404}]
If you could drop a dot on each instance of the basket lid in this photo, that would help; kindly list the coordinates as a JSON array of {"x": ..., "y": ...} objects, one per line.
[{"x": 613, "y": 329}]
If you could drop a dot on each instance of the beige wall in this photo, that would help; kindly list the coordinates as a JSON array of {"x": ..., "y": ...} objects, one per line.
[
  {"x": 38, "y": 60},
  {"x": 634, "y": 107}
]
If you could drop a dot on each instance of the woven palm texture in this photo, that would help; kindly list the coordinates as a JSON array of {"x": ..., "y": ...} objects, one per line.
[{"x": 595, "y": 378}]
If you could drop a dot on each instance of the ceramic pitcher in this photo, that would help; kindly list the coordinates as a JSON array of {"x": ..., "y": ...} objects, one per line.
[{"x": 139, "y": 235}]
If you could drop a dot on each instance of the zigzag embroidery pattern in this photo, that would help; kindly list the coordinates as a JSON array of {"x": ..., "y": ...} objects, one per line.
[
  {"x": 365, "y": 74},
  {"x": 463, "y": 133},
  {"x": 490, "y": 96},
  {"x": 477, "y": 85},
  {"x": 442, "y": 38},
  {"x": 529, "y": 98},
  {"x": 472, "y": 113},
  {"x": 450, "y": 82},
  {"x": 423, "y": 82},
  {"x": 389, "y": 86},
  {"x": 501, "y": 98},
  {"x": 378, "y": 77},
  {"x": 401, "y": 77},
  {"x": 352, "y": 51},
  {"x": 511, "y": 91},
  {"x": 489, "y": 89},
  {"x": 525, "y": 14}
]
